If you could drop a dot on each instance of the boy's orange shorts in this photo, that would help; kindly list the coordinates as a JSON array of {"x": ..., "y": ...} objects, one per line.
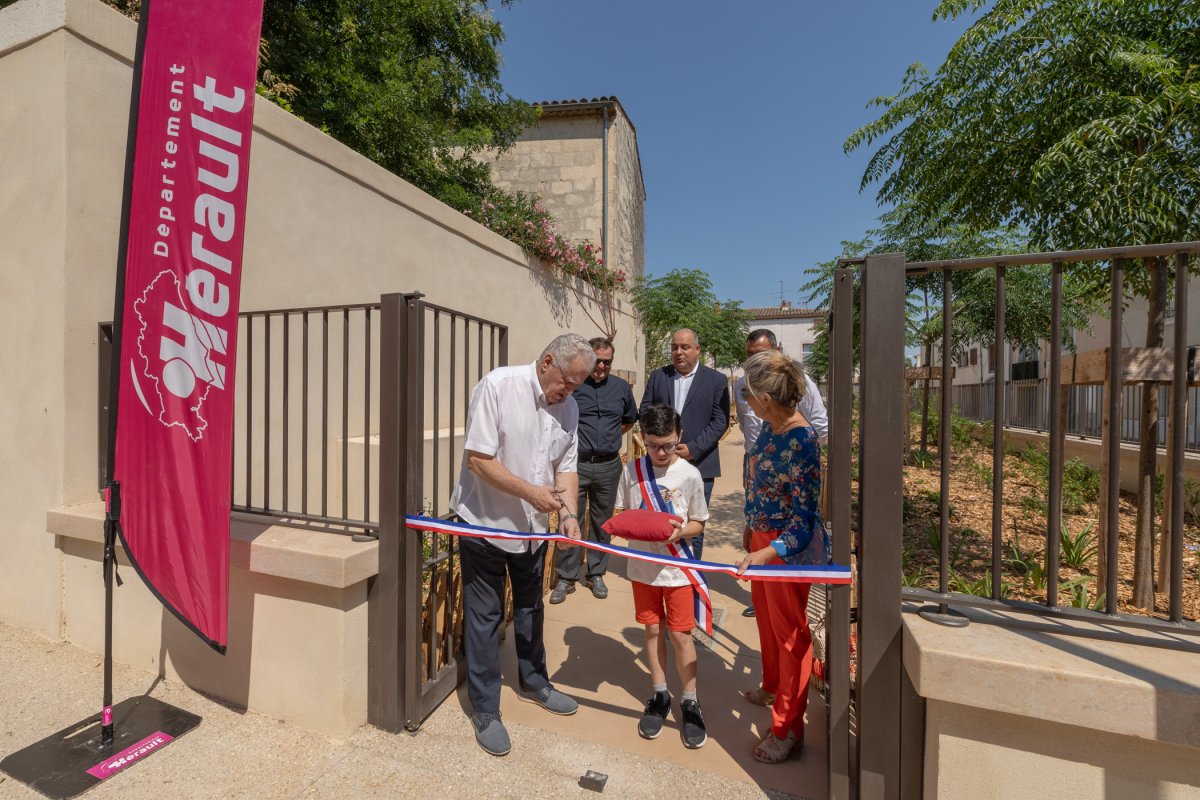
[{"x": 675, "y": 604}]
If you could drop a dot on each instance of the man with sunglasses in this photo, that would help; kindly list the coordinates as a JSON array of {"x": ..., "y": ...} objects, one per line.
[{"x": 606, "y": 411}]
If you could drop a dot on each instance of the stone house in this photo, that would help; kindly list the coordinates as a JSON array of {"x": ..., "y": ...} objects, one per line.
[{"x": 583, "y": 161}]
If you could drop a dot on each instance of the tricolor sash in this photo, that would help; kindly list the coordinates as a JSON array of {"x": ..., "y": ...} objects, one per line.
[
  {"x": 825, "y": 573},
  {"x": 652, "y": 499}
]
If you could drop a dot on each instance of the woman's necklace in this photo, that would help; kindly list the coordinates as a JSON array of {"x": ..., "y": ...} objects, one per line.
[{"x": 793, "y": 421}]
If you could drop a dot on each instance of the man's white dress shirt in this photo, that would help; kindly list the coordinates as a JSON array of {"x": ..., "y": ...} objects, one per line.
[
  {"x": 811, "y": 406},
  {"x": 510, "y": 419},
  {"x": 682, "y": 384}
]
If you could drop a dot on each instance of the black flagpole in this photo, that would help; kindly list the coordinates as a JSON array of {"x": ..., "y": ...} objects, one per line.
[
  {"x": 112, "y": 498},
  {"x": 73, "y": 760}
]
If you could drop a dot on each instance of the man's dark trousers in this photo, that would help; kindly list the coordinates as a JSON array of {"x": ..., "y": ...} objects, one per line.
[
  {"x": 483, "y": 568},
  {"x": 598, "y": 489}
]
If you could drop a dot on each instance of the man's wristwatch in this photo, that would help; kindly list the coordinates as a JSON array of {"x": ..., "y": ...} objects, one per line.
[{"x": 568, "y": 515}]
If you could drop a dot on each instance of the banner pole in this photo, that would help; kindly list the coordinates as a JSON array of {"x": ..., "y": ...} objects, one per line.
[
  {"x": 112, "y": 511},
  {"x": 111, "y": 514}
]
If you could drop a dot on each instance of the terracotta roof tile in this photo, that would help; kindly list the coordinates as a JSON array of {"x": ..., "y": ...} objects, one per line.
[{"x": 776, "y": 312}]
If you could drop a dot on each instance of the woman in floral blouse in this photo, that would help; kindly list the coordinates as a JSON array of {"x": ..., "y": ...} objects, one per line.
[{"x": 783, "y": 525}]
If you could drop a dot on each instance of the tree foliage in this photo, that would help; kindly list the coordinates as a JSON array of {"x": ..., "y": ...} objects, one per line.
[
  {"x": 683, "y": 298},
  {"x": 1027, "y": 289},
  {"x": 413, "y": 85},
  {"x": 1076, "y": 120}
]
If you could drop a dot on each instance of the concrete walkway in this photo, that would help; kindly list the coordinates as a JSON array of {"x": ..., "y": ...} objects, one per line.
[{"x": 594, "y": 654}]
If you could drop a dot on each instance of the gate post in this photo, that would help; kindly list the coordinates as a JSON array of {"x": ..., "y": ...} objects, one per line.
[
  {"x": 394, "y": 598},
  {"x": 881, "y": 493}
]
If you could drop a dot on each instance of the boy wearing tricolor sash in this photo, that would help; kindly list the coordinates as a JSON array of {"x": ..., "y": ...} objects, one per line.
[{"x": 663, "y": 593}]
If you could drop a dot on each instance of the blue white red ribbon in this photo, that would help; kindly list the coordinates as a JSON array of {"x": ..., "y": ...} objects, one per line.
[{"x": 830, "y": 573}]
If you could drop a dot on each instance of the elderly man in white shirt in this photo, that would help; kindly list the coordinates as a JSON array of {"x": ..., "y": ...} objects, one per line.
[
  {"x": 811, "y": 406},
  {"x": 519, "y": 465}
]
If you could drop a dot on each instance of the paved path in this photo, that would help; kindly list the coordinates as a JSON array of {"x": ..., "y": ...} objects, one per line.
[{"x": 594, "y": 653}]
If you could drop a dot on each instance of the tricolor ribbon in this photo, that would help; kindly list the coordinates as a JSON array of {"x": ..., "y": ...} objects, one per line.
[
  {"x": 652, "y": 499},
  {"x": 830, "y": 573}
]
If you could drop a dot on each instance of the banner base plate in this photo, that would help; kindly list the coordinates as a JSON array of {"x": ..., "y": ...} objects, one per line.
[{"x": 68, "y": 763}]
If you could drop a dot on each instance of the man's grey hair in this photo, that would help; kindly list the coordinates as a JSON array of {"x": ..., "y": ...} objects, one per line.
[
  {"x": 568, "y": 347},
  {"x": 695, "y": 336}
]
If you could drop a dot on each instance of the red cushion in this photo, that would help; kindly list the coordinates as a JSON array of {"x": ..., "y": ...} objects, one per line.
[{"x": 642, "y": 524}]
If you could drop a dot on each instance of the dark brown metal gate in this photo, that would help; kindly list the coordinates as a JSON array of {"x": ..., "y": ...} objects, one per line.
[
  {"x": 869, "y": 758},
  {"x": 430, "y": 359}
]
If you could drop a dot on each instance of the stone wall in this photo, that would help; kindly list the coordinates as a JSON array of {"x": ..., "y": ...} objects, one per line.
[
  {"x": 560, "y": 160},
  {"x": 627, "y": 200}
]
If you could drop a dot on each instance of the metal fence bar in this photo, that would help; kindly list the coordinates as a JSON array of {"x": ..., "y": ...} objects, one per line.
[
  {"x": 325, "y": 413},
  {"x": 304, "y": 418},
  {"x": 345, "y": 413},
  {"x": 1115, "y": 395},
  {"x": 287, "y": 464},
  {"x": 1054, "y": 526},
  {"x": 944, "y": 432},
  {"x": 249, "y": 410},
  {"x": 998, "y": 436},
  {"x": 266, "y": 412},
  {"x": 1178, "y": 388},
  {"x": 367, "y": 413}
]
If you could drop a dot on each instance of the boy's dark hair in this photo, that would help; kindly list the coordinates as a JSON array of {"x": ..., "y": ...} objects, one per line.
[{"x": 660, "y": 420}]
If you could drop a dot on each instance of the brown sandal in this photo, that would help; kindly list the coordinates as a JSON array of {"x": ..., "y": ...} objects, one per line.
[
  {"x": 773, "y": 750},
  {"x": 759, "y": 697}
]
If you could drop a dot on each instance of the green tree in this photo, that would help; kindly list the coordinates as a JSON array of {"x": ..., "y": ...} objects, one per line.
[
  {"x": 1078, "y": 120},
  {"x": 683, "y": 298},
  {"x": 414, "y": 85}
]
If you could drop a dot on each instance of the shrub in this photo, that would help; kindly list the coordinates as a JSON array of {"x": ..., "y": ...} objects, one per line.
[
  {"x": 1077, "y": 593},
  {"x": 1076, "y": 551}
]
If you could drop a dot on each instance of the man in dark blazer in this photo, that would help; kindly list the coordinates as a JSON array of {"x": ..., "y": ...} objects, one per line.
[{"x": 701, "y": 396}]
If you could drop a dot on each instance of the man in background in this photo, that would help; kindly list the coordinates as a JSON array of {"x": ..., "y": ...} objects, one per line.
[
  {"x": 606, "y": 411},
  {"x": 700, "y": 395},
  {"x": 811, "y": 406}
]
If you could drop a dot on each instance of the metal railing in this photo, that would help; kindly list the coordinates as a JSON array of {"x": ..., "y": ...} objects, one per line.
[
  {"x": 1029, "y": 407},
  {"x": 1019, "y": 403},
  {"x": 303, "y": 447},
  {"x": 889, "y": 712}
]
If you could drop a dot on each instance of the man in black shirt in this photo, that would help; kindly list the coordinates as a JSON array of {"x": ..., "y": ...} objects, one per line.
[{"x": 606, "y": 411}]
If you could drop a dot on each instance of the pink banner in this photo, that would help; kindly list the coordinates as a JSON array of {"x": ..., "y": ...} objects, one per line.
[{"x": 182, "y": 284}]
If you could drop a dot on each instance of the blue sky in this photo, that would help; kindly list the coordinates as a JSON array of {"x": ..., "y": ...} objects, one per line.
[{"x": 741, "y": 111}]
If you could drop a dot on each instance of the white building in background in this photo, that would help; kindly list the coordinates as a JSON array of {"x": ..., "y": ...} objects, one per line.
[{"x": 795, "y": 328}]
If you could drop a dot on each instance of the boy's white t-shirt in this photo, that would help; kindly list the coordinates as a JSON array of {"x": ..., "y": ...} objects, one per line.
[{"x": 683, "y": 490}]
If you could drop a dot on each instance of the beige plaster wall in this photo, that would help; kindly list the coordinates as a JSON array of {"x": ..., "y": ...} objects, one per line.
[
  {"x": 976, "y": 754},
  {"x": 33, "y": 391}
]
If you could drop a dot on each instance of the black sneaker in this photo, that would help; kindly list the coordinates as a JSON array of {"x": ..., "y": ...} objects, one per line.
[
  {"x": 692, "y": 730},
  {"x": 561, "y": 590},
  {"x": 657, "y": 708}
]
